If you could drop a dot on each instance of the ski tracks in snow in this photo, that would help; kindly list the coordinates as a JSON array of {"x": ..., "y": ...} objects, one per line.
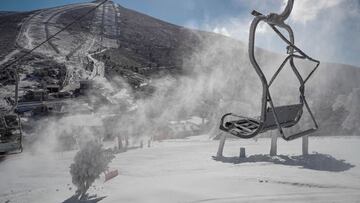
[
  {"x": 65, "y": 48},
  {"x": 290, "y": 197}
]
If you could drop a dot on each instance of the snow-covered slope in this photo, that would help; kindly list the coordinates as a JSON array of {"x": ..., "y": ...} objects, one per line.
[{"x": 184, "y": 171}]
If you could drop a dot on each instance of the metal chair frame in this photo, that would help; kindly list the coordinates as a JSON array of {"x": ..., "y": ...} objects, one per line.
[{"x": 275, "y": 21}]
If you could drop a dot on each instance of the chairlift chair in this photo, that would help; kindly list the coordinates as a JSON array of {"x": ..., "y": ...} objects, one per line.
[
  {"x": 10, "y": 134},
  {"x": 273, "y": 117},
  {"x": 10, "y": 125}
]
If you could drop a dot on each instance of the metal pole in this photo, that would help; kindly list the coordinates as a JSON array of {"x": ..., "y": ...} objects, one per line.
[
  {"x": 273, "y": 148},
  {"x": 221, "y": 145},
  {"x": 305, "y": 145}
]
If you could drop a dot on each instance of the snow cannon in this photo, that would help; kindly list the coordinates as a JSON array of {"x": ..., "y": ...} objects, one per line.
[{"x": 274, "y": 117}]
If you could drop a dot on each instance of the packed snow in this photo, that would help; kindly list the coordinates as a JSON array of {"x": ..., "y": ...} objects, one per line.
[{"x": 184, "y": 170}]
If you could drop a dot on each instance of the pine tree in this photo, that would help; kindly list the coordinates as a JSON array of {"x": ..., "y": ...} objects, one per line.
[{"x": 88, "y": 164}]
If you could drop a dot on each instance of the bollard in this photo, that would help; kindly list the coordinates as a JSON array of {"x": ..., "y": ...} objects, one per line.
[{"x": 242, "y": 152}]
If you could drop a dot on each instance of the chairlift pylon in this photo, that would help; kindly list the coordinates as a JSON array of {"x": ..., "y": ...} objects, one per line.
[
  {"x": 10, "y": 134},
  {"x": 273, "y": 117}
]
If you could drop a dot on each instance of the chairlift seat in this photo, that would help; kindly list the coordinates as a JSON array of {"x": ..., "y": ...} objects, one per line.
[{"x": 287, "y": 115}]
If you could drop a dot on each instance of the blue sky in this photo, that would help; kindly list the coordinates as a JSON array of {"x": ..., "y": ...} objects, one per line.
[{"x": 326, "y": 29}]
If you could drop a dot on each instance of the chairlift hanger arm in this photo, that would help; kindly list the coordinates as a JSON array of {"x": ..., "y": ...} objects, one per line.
[
  {"x": 278, "y": 20},
  {"x": 274, "y": 20},
  {"x": 283, "y": 16}
]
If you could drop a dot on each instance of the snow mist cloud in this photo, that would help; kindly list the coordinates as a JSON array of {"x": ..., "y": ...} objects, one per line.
[
  {"x": 328, "y": 29},
  {"x": 308, "y": 10},
  {"x": 218, "y": 79}
]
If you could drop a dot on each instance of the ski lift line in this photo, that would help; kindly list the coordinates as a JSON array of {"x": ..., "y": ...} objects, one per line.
[{"x": 54, "y": 35}]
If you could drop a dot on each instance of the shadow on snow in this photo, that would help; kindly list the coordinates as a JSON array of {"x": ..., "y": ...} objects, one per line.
[
  {"x": 317, "y": 161},
  {"x": 88, "y": 199}
]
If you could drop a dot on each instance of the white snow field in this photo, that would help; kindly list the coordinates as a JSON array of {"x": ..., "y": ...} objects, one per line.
[{"x": 184, "y": 171}]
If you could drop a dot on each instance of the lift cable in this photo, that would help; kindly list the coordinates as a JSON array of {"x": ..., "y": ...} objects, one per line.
[
  {"x": 19, "y": 144},
  {"x": 54, "y": 35}
]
